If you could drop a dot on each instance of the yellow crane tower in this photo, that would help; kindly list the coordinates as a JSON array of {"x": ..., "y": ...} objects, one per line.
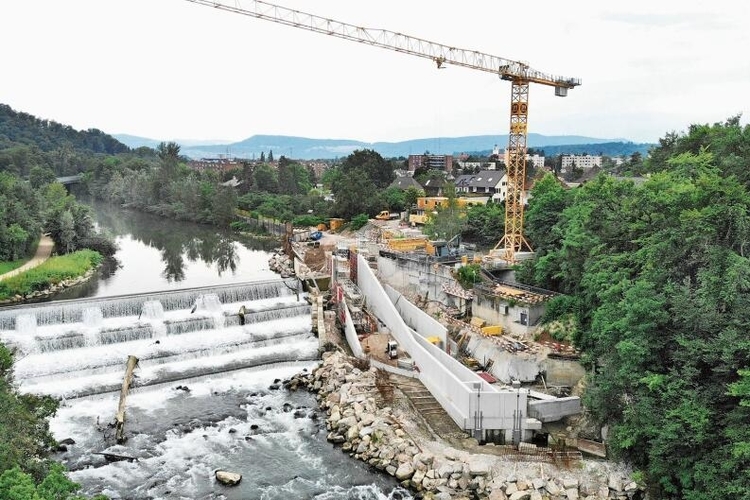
[{"x": 518, "y": 73}]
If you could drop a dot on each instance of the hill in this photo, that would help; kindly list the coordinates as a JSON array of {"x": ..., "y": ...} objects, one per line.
[
  {"x": 304, "y": 148},
  {"x": 23, "y": 129}
]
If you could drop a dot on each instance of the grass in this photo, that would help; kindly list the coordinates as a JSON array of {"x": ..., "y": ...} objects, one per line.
[
  {"x": 51, "y": 272},
  {"x": 6, "y": 267}
]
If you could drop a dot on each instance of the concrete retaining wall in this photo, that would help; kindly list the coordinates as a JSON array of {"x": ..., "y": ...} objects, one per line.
[
  {"x": 461, "y": 392},
  {"x": 425, "y": 325}
]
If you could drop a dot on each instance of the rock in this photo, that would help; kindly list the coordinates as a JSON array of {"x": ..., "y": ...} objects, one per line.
[
  {"x": 511, "y": 488},
  {"x": 553, "y": 489},
  {"x": 417, "y": 478},
  {"x": 497, "y": 495},
  {"x": 66, "y": 441},
  {"x": 404, "y": 471},
  {"x": 615, "y": 482},
  {"x": 538, "y": 483},
  {"x": 478, "y": 468},
  {"x": 520, "y": 495},
  {"x": 569, "y": 483},
  {"x": 631, "y": 487},
  {"x": 228, "y": 478},
  {"x": 571, "y": 494}
]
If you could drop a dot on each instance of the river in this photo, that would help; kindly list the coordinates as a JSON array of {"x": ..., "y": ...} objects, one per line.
[{"x": 206, "y": 394}]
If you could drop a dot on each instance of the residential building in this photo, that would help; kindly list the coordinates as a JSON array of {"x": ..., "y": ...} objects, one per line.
[
  {"x": 432, "y": 162},
  {"x": 584, "y": 162}
]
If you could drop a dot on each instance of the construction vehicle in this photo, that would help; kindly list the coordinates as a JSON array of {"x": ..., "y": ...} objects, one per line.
[
  {"x": 386, "y": 215},
  {"x": 391, "y": 349},
  {"x": 518, "y": 73}
]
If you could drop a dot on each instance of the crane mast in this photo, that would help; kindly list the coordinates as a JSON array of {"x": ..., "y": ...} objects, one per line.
[{"x": 518, "y": 73}]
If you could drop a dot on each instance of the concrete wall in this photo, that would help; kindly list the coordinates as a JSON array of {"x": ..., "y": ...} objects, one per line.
[
  {"x": 424, "y": 324},
  {"x": 552, "y": 410},
  {"x": 351, "y": 333},
  {"x": 461, "y": 392},
  {"x": 423, "y": 278}
]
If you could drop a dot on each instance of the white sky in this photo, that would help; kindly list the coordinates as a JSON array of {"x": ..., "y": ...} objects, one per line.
[{"x": 171, "y": 69}]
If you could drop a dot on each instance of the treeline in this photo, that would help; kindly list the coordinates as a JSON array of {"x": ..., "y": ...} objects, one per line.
[
  {"x": 26, "y": 211},
  {"x": 657, "y": 279},
  {"x": 17, "y": 128}
]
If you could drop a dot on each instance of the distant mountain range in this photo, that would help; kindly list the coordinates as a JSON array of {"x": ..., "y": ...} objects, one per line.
[{"x": 303, "y": 148}]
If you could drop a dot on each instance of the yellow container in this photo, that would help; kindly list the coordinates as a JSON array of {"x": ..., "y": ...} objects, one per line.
[{"x": 492, "y": 330}]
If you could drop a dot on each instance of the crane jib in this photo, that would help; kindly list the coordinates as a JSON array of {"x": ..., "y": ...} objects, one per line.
[{"x": 518, "y": 73}]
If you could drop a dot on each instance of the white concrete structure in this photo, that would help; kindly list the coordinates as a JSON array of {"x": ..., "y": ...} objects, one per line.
[
  {"x": 472, "y": 403},
  {"x": 585, "y": 162}
]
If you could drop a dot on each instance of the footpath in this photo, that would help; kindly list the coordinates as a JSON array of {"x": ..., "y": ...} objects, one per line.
[{"x": 43, "y": 251}]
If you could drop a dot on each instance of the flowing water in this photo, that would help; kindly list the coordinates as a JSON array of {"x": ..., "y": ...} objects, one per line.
[{"x": 206, "y": 393}]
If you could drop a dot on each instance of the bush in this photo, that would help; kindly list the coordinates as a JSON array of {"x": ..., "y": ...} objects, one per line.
[
  {"x": 468, "y": 275},
  {"x": 359, "y": 221},
  {"x": 307, "y": 220}
]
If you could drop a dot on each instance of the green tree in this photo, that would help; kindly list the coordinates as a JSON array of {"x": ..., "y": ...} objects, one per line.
[
  {"x": 449, "y": 220},
  {"x": 266, "y": 179},
  {"x": 369, "y": 163},
  {"x": 41, "y": 176}
]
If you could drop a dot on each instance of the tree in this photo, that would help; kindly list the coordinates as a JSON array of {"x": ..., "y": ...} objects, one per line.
[
  {"x": 270, "y": 156},
  {"x": 266, "y": 179},
  {"x": 41, "y": 176},
  {"x": 350, "y": 193},
  {"x": 449, "y": 220},
  {"x": 262, "y": 156},
  {"x": 370, "y": 163}
]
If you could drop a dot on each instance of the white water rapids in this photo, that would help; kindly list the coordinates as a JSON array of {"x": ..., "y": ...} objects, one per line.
[{"x": 206, "y": 394}]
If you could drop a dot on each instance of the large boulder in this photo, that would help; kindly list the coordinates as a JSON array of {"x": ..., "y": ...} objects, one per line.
[{"x": 228, "y": 478}]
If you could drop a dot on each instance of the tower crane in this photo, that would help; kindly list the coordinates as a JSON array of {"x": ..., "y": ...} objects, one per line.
[{"x": 519, "y": 74}]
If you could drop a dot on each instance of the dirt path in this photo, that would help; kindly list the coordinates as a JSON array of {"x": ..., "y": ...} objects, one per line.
[{"x": 43, "y": 251}]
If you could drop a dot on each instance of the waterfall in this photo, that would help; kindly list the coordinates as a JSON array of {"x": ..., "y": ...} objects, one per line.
[
  {"x": 211, "y": 305},
  {"x": 77, "y": 348},
  {"x": 92, "y": 319},
  {"x": 153, "y": 312}
]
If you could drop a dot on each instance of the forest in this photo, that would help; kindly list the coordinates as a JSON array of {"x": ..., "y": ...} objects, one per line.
[{"x": 655, "y": 277}]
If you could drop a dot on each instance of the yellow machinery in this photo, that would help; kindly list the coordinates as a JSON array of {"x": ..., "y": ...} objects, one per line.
[
  {"x": 519, "y": 74},
  {"x": 407, "y": 244}
]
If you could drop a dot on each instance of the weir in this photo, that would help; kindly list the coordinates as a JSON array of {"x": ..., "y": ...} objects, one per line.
[{"x": 77, "y": 348}]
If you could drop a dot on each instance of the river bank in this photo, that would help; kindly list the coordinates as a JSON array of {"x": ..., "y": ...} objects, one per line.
[{"x": 371, "y": 422}]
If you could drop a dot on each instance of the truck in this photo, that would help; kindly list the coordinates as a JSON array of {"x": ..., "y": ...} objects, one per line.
[{"x": 386, "y": 215}]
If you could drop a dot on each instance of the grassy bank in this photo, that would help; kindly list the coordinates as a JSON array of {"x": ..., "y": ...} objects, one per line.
[
  {"x": 6, "y": 267},
  {"x": 51, "y": 272}
]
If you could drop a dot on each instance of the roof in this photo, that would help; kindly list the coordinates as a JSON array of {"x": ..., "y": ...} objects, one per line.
[
  {"x": 405, "y": 183},
  {"x": 435, "y": 182},
  {"x": 481, "y": 180}
]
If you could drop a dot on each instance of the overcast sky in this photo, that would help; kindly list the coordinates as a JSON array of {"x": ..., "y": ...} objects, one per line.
[{"x": 171, "y": 69}]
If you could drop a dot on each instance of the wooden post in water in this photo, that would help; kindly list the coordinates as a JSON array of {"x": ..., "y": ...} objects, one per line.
[{"x": 120, "y": 418}]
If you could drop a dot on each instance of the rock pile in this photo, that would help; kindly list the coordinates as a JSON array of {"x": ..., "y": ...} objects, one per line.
[
  {"x": 372, "y": 433},
  {"x": 281, "y": 264}
]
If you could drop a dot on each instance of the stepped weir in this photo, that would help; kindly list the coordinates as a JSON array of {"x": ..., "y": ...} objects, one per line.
[{"x": 76, "y": 348}]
